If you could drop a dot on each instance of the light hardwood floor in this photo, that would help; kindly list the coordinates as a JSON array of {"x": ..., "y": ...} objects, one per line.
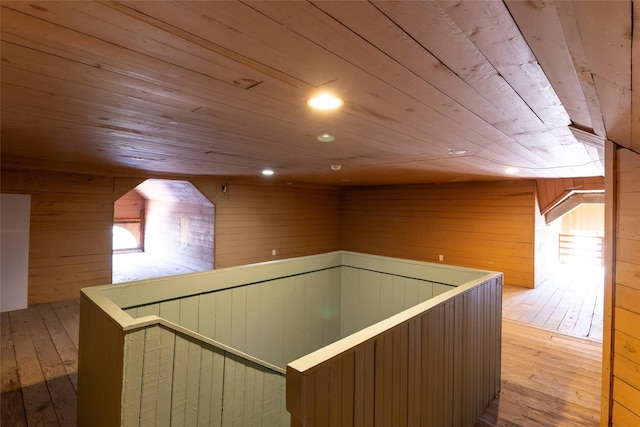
[
  {"x": 570, "y": 302},
  {"x": 549, "y": 378}
]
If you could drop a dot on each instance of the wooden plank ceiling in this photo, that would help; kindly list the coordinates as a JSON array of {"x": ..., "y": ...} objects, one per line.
[{"x": 220, "y": 88}]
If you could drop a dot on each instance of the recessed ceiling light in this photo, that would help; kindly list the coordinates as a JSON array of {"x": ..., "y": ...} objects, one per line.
[
  {"x": 336, "y": 167},
  {"x": 512, "y": 170},
  {"x": 325, "y": 101},
  {"x": 326, "y": 137},
  {"x": 453, "y": 152},
  {"x": 267, "y": 172}
]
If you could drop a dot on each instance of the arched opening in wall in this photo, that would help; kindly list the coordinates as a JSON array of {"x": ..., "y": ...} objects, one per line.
[
  {"x": 125, "y": 240},
  {"x": 162, "y": 228}
]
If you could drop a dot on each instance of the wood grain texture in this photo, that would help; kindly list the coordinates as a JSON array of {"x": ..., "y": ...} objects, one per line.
[
  {"x": 479, "y": 225},
  {"x": 196, "y": 88},
  {"x": 275, "y": 320},
  {"x": 522, "y": 400},
  {"x": 552, "y": 191},
  {"x": 70, "y": 233},
  {"x": 72, "y": 219},
  {"x": 100, "y": 387},
  {"x": 453, "y": 362},
  {"x": 621, "y": 367},
  {"x": 180, "y": 232}
]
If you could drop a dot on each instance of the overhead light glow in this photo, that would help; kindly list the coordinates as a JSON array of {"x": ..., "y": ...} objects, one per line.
[
  {"x": 512, "y": 170},
  {"x": 453, "y": 152},
  {"x": 326, "y": 137},
  {"x": 267, "y": 172},
  {"x": 325, "y": 101}
]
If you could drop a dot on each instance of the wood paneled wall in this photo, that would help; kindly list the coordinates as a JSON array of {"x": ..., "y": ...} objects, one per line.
[
  {"x": 440, "y": 367},
  {"x": 72, "y": 219},
  {"x": 622, "y": 359},
  {"x": 252, "y": 220},
  {"x": 369, "y": 296},
  {"x": 586, "y": 217},
  {"x": 487, "y": 225},
  {"x": 180, "y": 232},
  {"x": 128, "y": 207},
  {"x": 551, "y": 191},
  {"x": 172, "y": 379},
  {"x": 276, "y": 320},
  {"x": 70, "y": 231}
]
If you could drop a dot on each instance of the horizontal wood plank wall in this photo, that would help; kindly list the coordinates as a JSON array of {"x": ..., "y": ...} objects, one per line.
[
  {"x": 486, "y": 225},
  {"x": 626, "y": 336},
  {"x": 371, "y": 296},
  {"x": 70, "y": 231},
  {"x": 72, "y": 219},
  {"x": 128, "y": 207},
  {"x": 252, "y": 220},
  {"x": 439, "y": 368},
  {"x": 551, "y": 191},
  {"x": 276, "y": 321},
  {"x": 182, "y": 233},
  {"x": 172, "y": 379}
]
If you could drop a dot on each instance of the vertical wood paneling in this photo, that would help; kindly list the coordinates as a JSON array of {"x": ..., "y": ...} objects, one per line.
[
  {"x": 173, "y": 376},
  {"x": 134, "y": 354},
  {"x": 625, "y": 365},
  {"x": 100, "y": 368},
  {"x": 370, "y": 296},
  {"x": 206, "y": 386},
  {"x": 438, "y": 368},
  {"x": 479, "y": 225},
  {"x": 276, "y": 321}
]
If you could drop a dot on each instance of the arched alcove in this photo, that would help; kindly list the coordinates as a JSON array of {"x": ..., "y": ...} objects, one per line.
[{"x": 173, "y": 225}]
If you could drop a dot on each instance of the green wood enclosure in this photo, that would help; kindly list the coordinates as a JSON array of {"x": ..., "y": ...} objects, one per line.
[{"x": 384, "y": 336}]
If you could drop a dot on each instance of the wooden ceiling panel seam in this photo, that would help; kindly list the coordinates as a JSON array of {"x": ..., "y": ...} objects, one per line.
[
  {"x": 606, "y": 35},
  {"x": 357, "y": 21},
  {"x": 540, "y": 25},
  {"x": 101, "y": 101},
  {"x": 491, "y": 28},
  {"x": 464, "y": 60},
  {"x": 267, "y": 9}
]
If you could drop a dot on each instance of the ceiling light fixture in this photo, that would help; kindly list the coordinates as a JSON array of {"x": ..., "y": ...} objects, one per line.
[
  {"x": 325, "y": 101},
  {"x": 336, "y": 167},
  {"x": 453, "y": 152},
  {"x": 267, "y": 172},
  {"x": 511, "y": 170},
  {"x": 326, "y": 137}
]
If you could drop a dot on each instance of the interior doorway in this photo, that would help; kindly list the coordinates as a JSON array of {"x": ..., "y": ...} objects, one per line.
[
  {"x": 162, "y": 228},
  {"x": 569, "y": 292}
]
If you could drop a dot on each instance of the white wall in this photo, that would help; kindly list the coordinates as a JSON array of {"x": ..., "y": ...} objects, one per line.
[{"x": 14, "y": 251}]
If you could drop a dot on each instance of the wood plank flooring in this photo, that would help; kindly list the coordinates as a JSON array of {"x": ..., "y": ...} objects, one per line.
[
  {"x": 549, "y": 378},
  {"x": 40, "y": 364},
  {"x": 570, "y": 302}
]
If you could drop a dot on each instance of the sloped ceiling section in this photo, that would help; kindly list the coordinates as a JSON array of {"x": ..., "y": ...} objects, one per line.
[{"x": 220, "y": 88}]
